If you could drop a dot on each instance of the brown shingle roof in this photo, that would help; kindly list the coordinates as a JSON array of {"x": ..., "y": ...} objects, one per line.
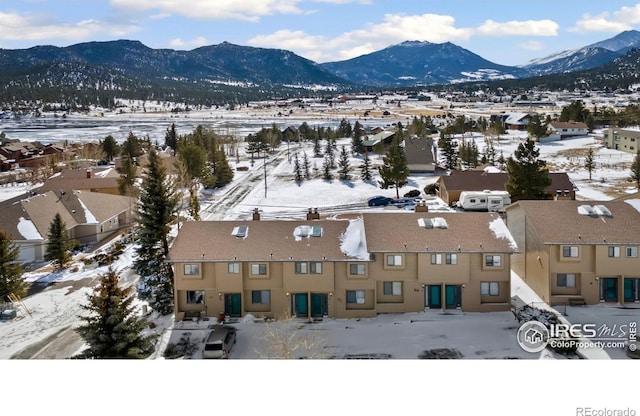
[
  {"x": 474, "y": 180},
  {"x": 560, "y": 222},
  {"x": 77, "y": 179},
  {"x": 468, "y": 230}
]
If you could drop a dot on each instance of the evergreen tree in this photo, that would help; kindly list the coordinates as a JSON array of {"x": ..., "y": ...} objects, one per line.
[
  {"x": 171, "y": 138},
  {"x": 489, "y": 155},
  {"x": 448, "y": 148},
  {"x": 528, "y": 176},
  {"x": 58, "y": 245},
  {"x": 131, "y": 148},
  {"x": 127, "y": 178},
  {"x": 330, "y": 154},
  {"x": 536, "y": 127},
  {"x": 317, "y": 152},
  {"x": 356, "y": 139},
  {"x": 365, "y": 168},
  {"x": 297, "y": 169},
  {"x": 344, "y": 130},
  {"x": 156, "y": 211},
  {"x": 635, "y": 170},
  {"x": 343, "y": 164},
  {"x": 11, "y": 280},
  {"x": 394, "y": 170},
  {"x": 112, "y": 329},
  {"x": 306, "y": 166},
  {"x": 222, "y": 170},
  {"x": 109, "y": 147},
  {"x": 326, "y": 169},
  {"x": 589, "y": 162}
]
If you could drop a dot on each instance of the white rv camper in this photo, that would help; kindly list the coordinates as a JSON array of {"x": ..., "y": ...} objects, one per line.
[{"x": 484, "y": 200}]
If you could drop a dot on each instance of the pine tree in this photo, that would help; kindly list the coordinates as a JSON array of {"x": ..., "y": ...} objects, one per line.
[
  {"x": 127, "y": 178},
  {"x": 306, "y": 167},
  {"x": 635, "y": 170},
  {"x": 326, "y": 169},
  {"x": 329, "y": 153},
  {"x": 58, "y": 245},
  {"x": 11, "y": 280},
  {"x": 589, "y": 162},
  {"x": 448, "y": 148},
  {"x": 365, "y": 168},
  {"x": 394, "y": 170},
  {"x": 112, "y": 329},
  {"x": 357, "y": 146},
  {"x": 222, "y": 170},
  {"x": 171, "y": 138},
  {"x": 131, "y": 148},
  {"x": 109, "y": 147},
  {"x": 156, "y": 211},
  {"x": 528, "y": 176},
  {"x": 317, "y": 152},
  {"x": 489, "y": 155},
  {"x": 297, "y": 169},
  {"x": 343, "y": 164}
]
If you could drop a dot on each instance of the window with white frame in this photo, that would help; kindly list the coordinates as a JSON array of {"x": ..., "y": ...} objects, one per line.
[
  {"x": 259, "y": 269},
  {"x": 261, "y": 297},
  {"x": 234, "y": 268},
  {"x": 355, "y": 297},
  {"x": 570, "y": 251},
  {"x": 392, "y": 288},
  {"x": 195, "y": 297},
  {"x": 315, "y": 267},
  {"x": 394, "y": 260},
  {"x": 191, "y": 269},
  {"x": 356, "y": 269},
  {"x": 436, "y": 258},
  {"x": 302, "y": 267},
  {"x": 567, "y": 280},
  {"x": 614, "y": 251},
  {"x": 493, "y": 261},
  {"x": 489, "y": 288},
  {"x": 632, "y": 251},
  {"x": 451, "y": 258}
]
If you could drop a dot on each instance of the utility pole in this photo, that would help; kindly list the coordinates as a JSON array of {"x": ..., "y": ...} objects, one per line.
[{"x": 265, "y": 173}]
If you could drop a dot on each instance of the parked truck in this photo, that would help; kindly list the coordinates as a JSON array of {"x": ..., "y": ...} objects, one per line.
[{"x": 484, "y": 200}]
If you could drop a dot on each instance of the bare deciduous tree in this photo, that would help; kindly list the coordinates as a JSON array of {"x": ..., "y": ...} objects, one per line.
[{"x": 288, "y": 338}]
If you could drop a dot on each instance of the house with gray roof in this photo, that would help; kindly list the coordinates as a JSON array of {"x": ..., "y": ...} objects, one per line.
[{"x": 420, "y": 153}]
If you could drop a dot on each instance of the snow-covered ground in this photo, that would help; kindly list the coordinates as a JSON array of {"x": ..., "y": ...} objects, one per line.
[{"x": 392, "y": 385}]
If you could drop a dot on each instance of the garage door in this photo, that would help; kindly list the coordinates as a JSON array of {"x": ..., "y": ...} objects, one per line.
[{"x": 27, "y": 253}]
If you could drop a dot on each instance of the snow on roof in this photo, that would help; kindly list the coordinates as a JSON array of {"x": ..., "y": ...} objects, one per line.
[
  {"x": 103, "y": 173},
  {"x": 353, "y": 243},
  {"x": 634, "y": 203},
  {"x": 28, "y": 230},
  {"x": 89, "y": 217},
  {"x": 500, "y": 229}
]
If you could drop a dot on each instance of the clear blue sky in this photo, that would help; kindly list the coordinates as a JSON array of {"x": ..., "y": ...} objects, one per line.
[{"x": 508, "y": 32}]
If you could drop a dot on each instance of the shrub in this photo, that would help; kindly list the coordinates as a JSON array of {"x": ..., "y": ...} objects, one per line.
[
  {"x": 412, "y": 193},
  {"x": 431, "y": 189}
]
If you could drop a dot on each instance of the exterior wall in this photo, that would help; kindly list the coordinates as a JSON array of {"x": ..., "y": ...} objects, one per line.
[
  {"x": 421, "y": 167},
  {"x": 30, "y": 251},
  {"x": 624, "y": 140},
  {"x": 582, "y": 266},
  {"x": 86, "y": 233}
]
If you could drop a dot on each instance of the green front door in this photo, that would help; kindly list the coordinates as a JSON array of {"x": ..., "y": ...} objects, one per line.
[
  {"x": 434, "y": 296},
  {"x": 300, "y": 306},
  {"x": 631, "y": 287},
  {"x": 232, "y": 304},
  {"x": 609, "y": 289},
  {"x": 319, "y": 305},
  {"x": 452, "y": 296}
]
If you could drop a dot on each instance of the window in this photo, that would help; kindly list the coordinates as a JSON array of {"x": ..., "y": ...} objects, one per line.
[
  {"x": 566, "y": 280},
  {"x": 355, "y": 296},
  {"x": 614, "y": 251},
  {"x": 632, "y": 251},
  {"x": 315, "y": 267},
  {"x": 261, "y": 296},
  {"x": 489, "y": 288},
  {"x": 234, "y": 268},
  {"x": 302, "y": 267},
  {"x": 436, "y": 259},
  {"x": 191, "y": 269},
  {"x": 394, "y": 260},
  {"x": 195, "y": 297},
  {"x": 392, "y": 288},
  {"x": 569, "y": 251},
  {"x": 356, "y": 269},
  {"x": 259, "y": 269},
  {"x": 493, "y": 261},
  {"x": 451, "y": 258}
]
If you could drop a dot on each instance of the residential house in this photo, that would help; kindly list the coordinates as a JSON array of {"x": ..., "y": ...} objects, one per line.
[
  {"x": 383, "y": 139},
  {"x": 517, "y": 121},
  {"x": 89, "y": 217},
  {"x": 450, "y": 186},
  {"x": 103, "y": 180},
  {"x": 625, "y": 140},
  {"x": 577, "y": 251},
  {"x": 420, "y": 153},
  {"x": 560, "y": 130},
  {"x": 376, "y": 263}
]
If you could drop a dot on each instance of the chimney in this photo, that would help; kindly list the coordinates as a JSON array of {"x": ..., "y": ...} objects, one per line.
[
  {"x": 421, "y": 206},
  {"x": 88, "y": 173},
  {"x": 256, "y": 214},
  {"x": 313, "y": 215}
]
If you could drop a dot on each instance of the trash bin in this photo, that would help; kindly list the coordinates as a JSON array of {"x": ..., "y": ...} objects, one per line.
[{"x": 221, "y": 317}]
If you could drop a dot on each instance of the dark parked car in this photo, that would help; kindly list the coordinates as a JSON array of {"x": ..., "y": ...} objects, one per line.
[{"x": 378, "y": 200}]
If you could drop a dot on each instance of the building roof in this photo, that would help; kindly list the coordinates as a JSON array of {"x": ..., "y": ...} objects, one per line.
[
  {"x": 70, "y": 179},
  {"x": 561, "y": 222},
  {"x": 419, "y": 150},
  {"x": 469, "y": 231},
  {"x": 264, "y": 241},
  {"x": 568, "y": 125},
  {"x": 477, "y": 180}
]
